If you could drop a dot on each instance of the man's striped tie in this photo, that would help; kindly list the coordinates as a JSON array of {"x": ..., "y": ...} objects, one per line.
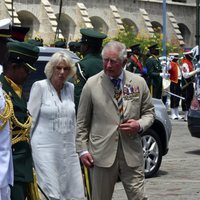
[{"x": 118, "y": 97}]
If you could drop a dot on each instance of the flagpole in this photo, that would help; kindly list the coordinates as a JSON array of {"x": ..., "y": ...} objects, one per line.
[
  {"x": 164, "y": 28},
  {"x": 197, "y": 26},
  {"x": 58, "y": 23},
  {"x": 12, "y": 12}
]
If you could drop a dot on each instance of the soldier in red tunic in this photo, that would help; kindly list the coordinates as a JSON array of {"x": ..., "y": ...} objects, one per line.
[
  {"x": 175, "y": 88},
  {"x": 188, "y": 73}
]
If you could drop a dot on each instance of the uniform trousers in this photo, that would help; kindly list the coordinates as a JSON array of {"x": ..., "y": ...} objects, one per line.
[
  {"x": 103, "y": 179},
  {"x": 188, "y": 93},
  {"x": 5, "y": 193},
  {"x": 175, "y": 88},
  {"x": 19, "y": 191}
]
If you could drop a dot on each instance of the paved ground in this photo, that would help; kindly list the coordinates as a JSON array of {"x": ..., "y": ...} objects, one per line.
[{"x": 179, "y": 175}]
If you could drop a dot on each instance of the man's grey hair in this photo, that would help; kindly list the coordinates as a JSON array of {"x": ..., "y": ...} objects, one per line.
[
  {"x": 115, "y": 45},
  {"x": 57, "y": 58}
]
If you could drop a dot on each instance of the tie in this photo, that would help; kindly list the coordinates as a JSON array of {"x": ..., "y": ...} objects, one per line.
[{"x": 118, "y": 97}]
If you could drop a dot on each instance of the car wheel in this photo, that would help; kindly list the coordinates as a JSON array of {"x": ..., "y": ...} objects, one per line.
[{"x": 152, "y": 150}]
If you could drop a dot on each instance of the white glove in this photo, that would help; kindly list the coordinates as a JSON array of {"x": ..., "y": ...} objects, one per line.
[
  {"x": 165, "y": 75},
  {"x": 194, "y": 72},
  {"x": 197, "y": 70},
  {"x": 162, "y": 75}
]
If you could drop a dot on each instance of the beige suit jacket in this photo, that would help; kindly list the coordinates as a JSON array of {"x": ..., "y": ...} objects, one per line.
[{"x": 98, "y": 119}]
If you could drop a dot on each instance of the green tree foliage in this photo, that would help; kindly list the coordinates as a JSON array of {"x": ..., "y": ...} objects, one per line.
[{"x": 129, "y": 38}]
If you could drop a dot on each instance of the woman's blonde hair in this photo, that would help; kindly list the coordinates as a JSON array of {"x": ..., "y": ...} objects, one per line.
[{"x": 56, "y": 58}]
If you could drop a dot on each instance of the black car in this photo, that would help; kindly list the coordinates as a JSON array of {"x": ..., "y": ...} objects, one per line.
[{"x": 194, "y": 117}]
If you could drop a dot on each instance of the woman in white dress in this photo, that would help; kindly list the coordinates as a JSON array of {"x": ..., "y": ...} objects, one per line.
[{"x": 51, "y": 105}]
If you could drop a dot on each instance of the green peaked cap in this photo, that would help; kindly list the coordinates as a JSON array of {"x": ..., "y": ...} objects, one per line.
[
  {"x": 92, "y": 37},
  {"x": 24, "y": 52}
]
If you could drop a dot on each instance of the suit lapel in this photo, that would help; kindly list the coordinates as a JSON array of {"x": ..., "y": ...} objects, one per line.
[
  {"x": 108, "y": 87},
  {"x": 127, "y": 81}
]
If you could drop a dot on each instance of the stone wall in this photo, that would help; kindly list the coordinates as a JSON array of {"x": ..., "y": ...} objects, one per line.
[{"x": 100, "y": 15}]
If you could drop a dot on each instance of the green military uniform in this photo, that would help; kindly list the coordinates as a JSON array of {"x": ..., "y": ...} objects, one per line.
[
  {"x": 37, "y": 41},
  {"x": 90, "y": 65},
  {"x": 22, "y": 159},
  {"x": 75, "y": 47},
  {"x": 92, "y": 62},
  {"x": 27, "y": 54},
  {"x": 134, "y": 64},
  {"x": 154, "y": 68}
]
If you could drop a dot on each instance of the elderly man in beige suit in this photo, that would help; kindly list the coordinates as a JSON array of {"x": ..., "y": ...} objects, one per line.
[{"x": 109, "y": 123}]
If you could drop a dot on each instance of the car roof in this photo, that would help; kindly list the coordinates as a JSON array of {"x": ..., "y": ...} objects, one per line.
[{"x": 47, "y": 52}]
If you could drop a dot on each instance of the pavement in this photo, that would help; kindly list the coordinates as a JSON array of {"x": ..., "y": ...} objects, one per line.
[{"x": 179, "y": 174}]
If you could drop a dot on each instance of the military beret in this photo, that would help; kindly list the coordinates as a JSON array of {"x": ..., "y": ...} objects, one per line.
[
  {"x": 5, "y": 28},
  {"x": 92, "y": 37},
  {"x": 128, "y": 50},
  {"x": 74, "y": 44},
  {"x": 19, "y": 33},
  {"x": 23, "y": 52},
  {"x": 36, "y": 42},
  {"x": 134, "y": 47},
  {"x": 174, "y": 55},
  {"x": 153, "y": 46},
  {"x": 60, "y": 44}
]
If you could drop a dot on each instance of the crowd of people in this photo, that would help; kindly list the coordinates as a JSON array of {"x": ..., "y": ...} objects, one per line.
[
  {"x": 171, "y": 78},
  {"x": 89, "y": 129}
]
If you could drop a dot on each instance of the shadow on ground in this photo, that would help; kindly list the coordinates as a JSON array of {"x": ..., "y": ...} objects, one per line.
[{"x": 195, "y": 152}]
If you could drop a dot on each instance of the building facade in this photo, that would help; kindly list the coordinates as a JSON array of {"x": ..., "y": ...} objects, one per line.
[{"x": 47, "y": 20}]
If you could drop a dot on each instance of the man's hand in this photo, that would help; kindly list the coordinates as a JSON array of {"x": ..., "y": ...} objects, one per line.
[
  {"x": 87, "y": 160},
  {"x": 130, "y": 127}
]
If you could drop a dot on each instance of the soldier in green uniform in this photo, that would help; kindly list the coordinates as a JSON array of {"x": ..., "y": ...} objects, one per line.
[
  {"x": 135, "y": 64},
  {"x": 154, "y": 72},
  {"x": 91, "y": 64},
  {"x": 21, "y": 58},
  {"x": 75, "y": 48},
  {"x": 37, "y": 41},
  {"x": 61, "y": 43}
]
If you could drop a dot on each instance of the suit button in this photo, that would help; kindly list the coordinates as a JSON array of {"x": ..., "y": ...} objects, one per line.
[{"x": 13, "y": 149}]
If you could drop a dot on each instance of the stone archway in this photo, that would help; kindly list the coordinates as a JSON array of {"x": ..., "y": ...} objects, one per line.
[
  {"x": 157, "y": 27},
  {"x": 129, "y": 25},
  {"x": 67, "y": 27},
  {"x": 27, "y": 19},
  {"x": 99, "y": 24},
  {"x": 185, "y": 32}
]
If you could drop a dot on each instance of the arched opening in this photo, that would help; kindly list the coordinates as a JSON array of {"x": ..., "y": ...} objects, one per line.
[
  {"x": 157, "y": 27},
  {"x": 129, "y": 25},
  {"x": 99, "y": 24},
  {"x": 185, "y": 32},
  {"x": 27, "y": 19},
  {"x": 67, "y": 27}
]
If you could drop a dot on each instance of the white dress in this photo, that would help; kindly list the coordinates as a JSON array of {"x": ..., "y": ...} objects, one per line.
[
  {"x": 6, "y": 161},
  {"x": 53, "y": 141}
]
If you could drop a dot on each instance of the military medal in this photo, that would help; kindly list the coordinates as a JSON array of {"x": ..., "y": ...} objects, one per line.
[{"x": 117, "y": 93}]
